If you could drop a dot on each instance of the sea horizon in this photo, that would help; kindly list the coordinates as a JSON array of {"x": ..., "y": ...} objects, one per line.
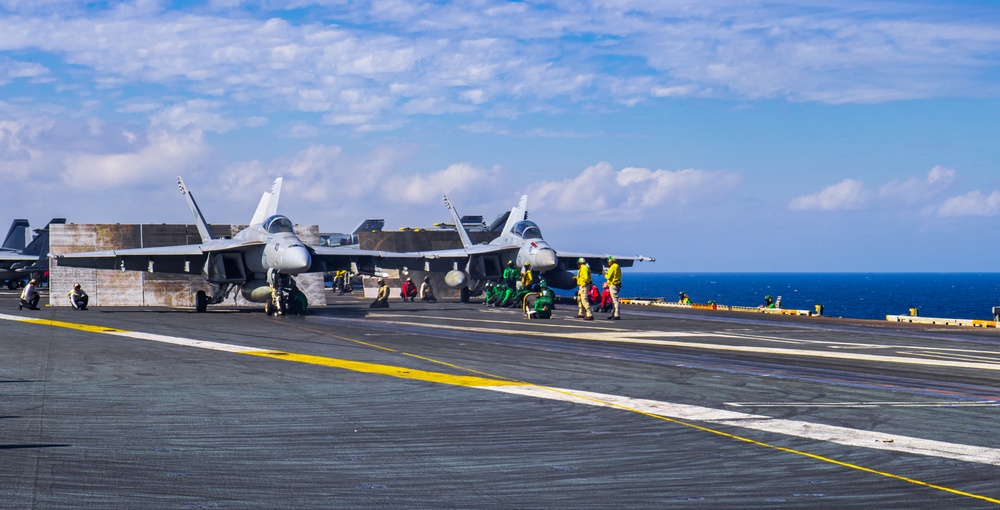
[{"x": 860, "y": 295}]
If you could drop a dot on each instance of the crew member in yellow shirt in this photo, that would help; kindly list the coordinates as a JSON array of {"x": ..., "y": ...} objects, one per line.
[
  {"x": 614, "y": 277},
  {"x": 583, "y": 281}
]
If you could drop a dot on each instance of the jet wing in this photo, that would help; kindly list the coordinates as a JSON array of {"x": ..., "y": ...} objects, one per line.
[
  {"x": 178, "y": 259},
  {"x": 335, "y": 258},
  {"x": 471, "y": 251},
  {"x": 486, "y": 261},
  {"x": 332, "y": 258},
  {"x": 567, "y": 259},
  {"x": 8, "y": 257}
]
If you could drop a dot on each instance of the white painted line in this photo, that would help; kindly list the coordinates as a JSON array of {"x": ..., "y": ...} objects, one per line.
[
  {"x": 652, "y": 338},
  {"x": 201, "y": 344},
  {"x": 808, "y": 430},
  {"x": 958, "y": 403}
]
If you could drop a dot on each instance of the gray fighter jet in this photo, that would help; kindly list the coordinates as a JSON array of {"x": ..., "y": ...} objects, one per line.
[
  {"x": 19, "y": 262},
  {"x": 470, "y": 267},
  {"x": 260, "y": 259}
]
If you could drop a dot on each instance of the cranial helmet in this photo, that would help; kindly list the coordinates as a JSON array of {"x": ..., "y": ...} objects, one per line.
[{"x": 580, "y": 261}]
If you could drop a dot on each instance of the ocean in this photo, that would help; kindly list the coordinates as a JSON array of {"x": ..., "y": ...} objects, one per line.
[{"x": 853, "y": 295}]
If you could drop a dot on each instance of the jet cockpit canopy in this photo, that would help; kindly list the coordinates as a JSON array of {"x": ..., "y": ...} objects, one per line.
[
  {"x": 278, "y": 224},
  {"x": 527, "y": 230}
]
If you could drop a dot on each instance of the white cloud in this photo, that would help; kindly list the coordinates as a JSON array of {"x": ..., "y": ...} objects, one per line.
[
  {"x": 631, "y": 192},
  {"x": 845, "y": 195},
  {"x": 974, "y": 203},
  {"x": 11, "y": 69},
  {"x": 391, "y": 59},
  {"x": 919, "y": 195},
  {"x": 197, "y": 114},
  {"x": 165, "y": 155},
  {"x": 50, "y": 155},
  {"x": 916, "y": 190},
  {"x": 462, "y": 178},
  {"x": 585, "y": 192}
]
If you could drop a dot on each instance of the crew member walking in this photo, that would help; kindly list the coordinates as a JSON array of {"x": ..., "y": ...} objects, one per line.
[
  {"x": 583, "y": 281},
  {"x": 614, "y": 277}
]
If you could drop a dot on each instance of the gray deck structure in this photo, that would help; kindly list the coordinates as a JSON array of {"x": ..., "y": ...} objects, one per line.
[{"x": 136, "y": 288}]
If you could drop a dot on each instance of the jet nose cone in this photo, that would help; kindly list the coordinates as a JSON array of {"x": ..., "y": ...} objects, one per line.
[
  {"x": 545, "y": 260},
  {"x": 295, "y": 259}
]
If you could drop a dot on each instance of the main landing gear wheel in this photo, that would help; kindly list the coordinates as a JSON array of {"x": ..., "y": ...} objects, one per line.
[
  {"x": 12, "y": 284},
  {"x": 200, "y": 302},
  {"x": 464, "y": 294}
]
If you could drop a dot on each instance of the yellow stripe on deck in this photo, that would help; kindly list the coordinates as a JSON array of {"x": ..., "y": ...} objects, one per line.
[
  {"x": 73, "y": 325},
  {"x": 388, "y": 370}
]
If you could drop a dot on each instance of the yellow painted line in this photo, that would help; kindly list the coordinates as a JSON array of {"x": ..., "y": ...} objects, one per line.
[
  {"x": 388, "y": 370},
  {"x": 506, "y": 386},
  {"x": 72, "y": 325}
]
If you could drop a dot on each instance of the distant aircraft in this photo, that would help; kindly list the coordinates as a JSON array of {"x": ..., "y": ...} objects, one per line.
[
  {"x": 470, "y": 267},
  {"x": 264, "y": 255},
  {"x": 19, "y": 262}
]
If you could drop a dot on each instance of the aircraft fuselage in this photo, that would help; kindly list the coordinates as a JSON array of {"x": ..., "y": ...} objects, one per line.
[{"x": 541, "y": 256}]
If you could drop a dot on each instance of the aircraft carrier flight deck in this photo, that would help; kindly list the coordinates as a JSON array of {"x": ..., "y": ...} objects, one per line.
[{"x": 456, "y": 405}]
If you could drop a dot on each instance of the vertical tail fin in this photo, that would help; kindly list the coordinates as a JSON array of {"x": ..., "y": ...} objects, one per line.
[
  {"x": 268, "y": 205},
  {"x": 15, "y": 239},
  {"x": 462, "y": 234},
  {"x": 518, "y": 213},
  {"x": 199, "y": 219},
  {"x": 40, "y": 244}
]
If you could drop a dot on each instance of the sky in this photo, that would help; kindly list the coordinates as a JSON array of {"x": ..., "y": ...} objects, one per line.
[{"x": 715, "y": 135}]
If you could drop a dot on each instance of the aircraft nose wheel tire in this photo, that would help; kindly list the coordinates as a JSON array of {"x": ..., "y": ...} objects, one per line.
[
  {"x": 464, "y": 294},
  {"x": 200, "y": 302}
]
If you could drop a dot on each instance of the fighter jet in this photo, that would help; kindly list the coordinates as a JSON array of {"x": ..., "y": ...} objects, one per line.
[
  {"x": 260, "y": 259},
  {"x": 19, "y": 262},
  {"x": 470, "y": 267}
]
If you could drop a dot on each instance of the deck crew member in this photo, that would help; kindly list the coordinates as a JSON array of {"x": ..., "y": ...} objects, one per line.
[
  {"x": 382, "y": 300},
  {"x": 606, "y": 304},
  {"x": 78, "y": 298},
  {"x": 528, "y": 278},
  {"x": 511, "y": 274},
  {"x": 426, "y": 292},
  {"x": 409, "y": 290},
  {"x": 614, "y": 277},
  {"x": 29, "y": 296},
  {"x": 583, "y": 281}
]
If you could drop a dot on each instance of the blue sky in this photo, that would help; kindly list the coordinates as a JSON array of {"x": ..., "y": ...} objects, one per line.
[{"x": 714, "y": 135}]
